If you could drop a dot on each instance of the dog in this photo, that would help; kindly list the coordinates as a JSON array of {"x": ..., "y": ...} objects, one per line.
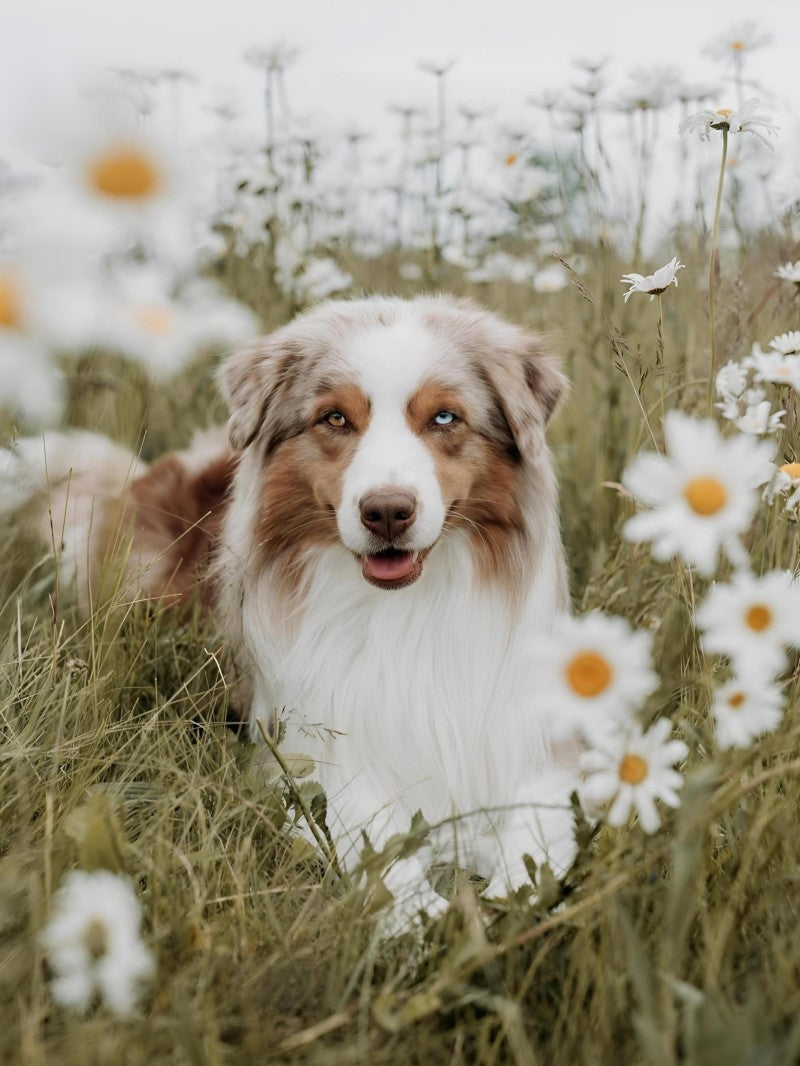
[{"x": 379, "y": 537}]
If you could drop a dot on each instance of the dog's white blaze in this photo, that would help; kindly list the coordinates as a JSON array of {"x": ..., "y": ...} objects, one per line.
[{"x": 389, "y": 365}]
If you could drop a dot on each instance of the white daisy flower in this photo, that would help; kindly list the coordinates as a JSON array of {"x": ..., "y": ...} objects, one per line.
[
  {"x": 775, "y": 366},
  {"x": 591, "y": 672},
  {"x": 786, "y": 343},
  {"x": 759, "y": 419},
  {"x": 740, "y": 38},
  {"x": 784, "y": 481},
  {"x": 93, "y": 944},
  {"x": 789, "y": 272},
  {"x": 633, "y": 769},
  {"x": 653, "y": 283},
  {"x": 29, "y": 382},
  {"x": 752, "y": 620},
  {"x": 731, "y": 380},
  {"x": 743, "y": 709},
  {"x": 743, "y": 120},
  {"x": 701, "y": 494}
]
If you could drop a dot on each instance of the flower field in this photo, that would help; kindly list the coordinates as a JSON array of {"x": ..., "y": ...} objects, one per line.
[{"x": 156, "y": 905}]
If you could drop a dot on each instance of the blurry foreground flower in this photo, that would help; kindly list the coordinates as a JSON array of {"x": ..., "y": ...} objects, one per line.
[
  {"x": 702, "y": 493},
  {"x": 592, "y": 672},
  {"x": 752, "y": 620},
  {"x": 744, "y": 709},
  {"x": 30, "y": 384},
  {"x": 654, "y": 284},
  {"x": 634, "y": 769},
  {"x": 93, "y": 944},
  {"x": 789, "y": 272},
  {"x": 743, "y": 120}
]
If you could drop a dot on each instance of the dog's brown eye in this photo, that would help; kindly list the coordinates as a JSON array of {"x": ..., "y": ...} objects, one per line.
[{"x": 336, "y": 419}]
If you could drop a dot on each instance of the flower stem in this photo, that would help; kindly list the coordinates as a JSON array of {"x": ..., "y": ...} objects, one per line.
[
  {"x": 713, "y": 272},
  {"x": 660, "y": 353}
]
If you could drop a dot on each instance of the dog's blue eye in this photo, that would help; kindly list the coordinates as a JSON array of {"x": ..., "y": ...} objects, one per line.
[
  {"x": 336, "y": 419},
  {"x": 445, "y": 418}
]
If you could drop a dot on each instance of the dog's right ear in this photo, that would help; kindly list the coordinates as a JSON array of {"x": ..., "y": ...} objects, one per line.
[{"x": 252, "y": 382}]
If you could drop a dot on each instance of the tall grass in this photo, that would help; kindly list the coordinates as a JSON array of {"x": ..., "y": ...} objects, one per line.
[{"x": 121, "y": 748}]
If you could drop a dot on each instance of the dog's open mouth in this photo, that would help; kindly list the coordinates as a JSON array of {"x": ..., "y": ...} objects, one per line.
[{"x": 392, "y": 568}]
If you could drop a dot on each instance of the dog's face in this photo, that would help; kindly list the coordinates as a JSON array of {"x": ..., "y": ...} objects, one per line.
[{"x": 384, "y": 423}]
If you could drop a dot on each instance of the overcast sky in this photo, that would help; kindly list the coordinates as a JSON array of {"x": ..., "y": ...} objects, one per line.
[{"x": 359, "y": 55}]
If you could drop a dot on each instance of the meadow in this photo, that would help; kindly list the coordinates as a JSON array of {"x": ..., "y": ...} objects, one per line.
[{"x": 121, "y": 744}]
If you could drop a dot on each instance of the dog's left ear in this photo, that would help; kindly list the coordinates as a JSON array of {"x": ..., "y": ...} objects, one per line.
[{"x": 529, "y": 385}]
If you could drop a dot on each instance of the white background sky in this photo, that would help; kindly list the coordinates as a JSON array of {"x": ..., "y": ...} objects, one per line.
[{"x": 359, "y": 55}]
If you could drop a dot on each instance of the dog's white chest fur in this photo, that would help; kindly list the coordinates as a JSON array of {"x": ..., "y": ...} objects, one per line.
[{"x": 405, "y": 700}]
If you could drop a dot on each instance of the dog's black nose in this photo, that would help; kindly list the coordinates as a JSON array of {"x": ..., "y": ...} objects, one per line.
[{"x": 387, "y": 512}]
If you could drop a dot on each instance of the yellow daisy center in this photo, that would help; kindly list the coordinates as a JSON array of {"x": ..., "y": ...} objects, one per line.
[
  {"x": 125, "y": 173},
  {"x": 736, "y": 699},
  {"x": 633, "y": 770},
  {"x": 738, "y": 46},
  {"x": 792, "y": 469},
  {"x": 588, "y": 674},
  {"x": 724, "y": 111},
  {"x": 705, "y": 495},
  {"x": 511, "y": 159},
  {"x": 10, "y": 303},
  {"x": 95, "y": 938},
  {"x": 153, "y": 319},
  {"x": 758, "y": 617}
]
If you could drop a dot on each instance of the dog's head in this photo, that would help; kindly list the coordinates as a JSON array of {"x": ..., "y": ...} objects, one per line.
[{"x": 383, "y": 423}]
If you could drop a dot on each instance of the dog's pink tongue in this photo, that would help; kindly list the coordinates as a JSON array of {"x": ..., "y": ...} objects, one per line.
[{"x": 389, "y": 566}]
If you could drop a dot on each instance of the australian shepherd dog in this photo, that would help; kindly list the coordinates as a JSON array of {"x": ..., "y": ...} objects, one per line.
[{"x": 378, "y": 532}]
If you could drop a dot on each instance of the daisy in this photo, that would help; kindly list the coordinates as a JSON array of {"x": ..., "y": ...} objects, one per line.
[
  {"x": 654, "y": 284},
  {"x": 551, "y": 278},
  {"x": 592, "y": 672},
  {"x": 743, "y": 120},
  {"x": 29, "y": 382},
  {"x": 701, "y": 494},
  {"x": 93, "y": 944},
  {"x": 775, "y": 366},
  {"x": 731, "y": 381},
  {"x": 759, "y": 419},
  {"x": 744, "y": 709},
  {"x": 739, "y": 39},
  {"x": 787, "y": 343},
  {"x": 789, "y": 272},
  {"x": 633, "y": 769},
  {"x": 752, "y": 620}
]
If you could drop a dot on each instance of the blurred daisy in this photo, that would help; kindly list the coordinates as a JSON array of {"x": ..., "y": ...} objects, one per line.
[
  {"x": 591, "y": 672},
  {"x": 752, "y": 620},
  {"x": 93, "y": 944},
  {"x": 789, "y": 272},
  {"x": 702, "y": 493},
  {"x": 739, "y": 39},
  {"x": 731, "y": 380},
  {"x": 785, "y": 481},
  {"x": 29, "y": 382},
  {"x": 653, "y": 283},
  {"x": 633, "y": 770},
  {"x": 759, "y": 419},
  {"x": 787, "y": 343},
  {"x": 743, "y": 120},
  {"x": 551, "y": 278},
  {"x": 774, "y": 366},
  {"x": 743, "y": 709}
]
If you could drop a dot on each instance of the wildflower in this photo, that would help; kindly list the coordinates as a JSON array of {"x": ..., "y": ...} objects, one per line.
[
  {"x": 739, "y": 39},
  {"x": 654, "y": 284},
  {"x": 551, "y": 278},
  {"x": 752, "y": 620},
  {"x": 731, "y": 380},
  {"x": 789, "y": 272},
  {"x": 634, "y": 769},
  {"x": 592, "y": 671},
  {"x": 29, "y": 383},
  {"x": 744, "y": 709},
  {"x": 93, "y": 944},
  {"x": 702, "y": 493},
  {"x": 743, "y": 120},
  {"x": 786, "y": 479},
  {"x": 775, "y": 366},
  {"x": 759, "y": 418},
  {"x": 786, "y": 343}
]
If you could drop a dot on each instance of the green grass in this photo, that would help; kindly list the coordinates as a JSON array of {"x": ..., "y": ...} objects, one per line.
[{"x": 120, "y": 748}]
